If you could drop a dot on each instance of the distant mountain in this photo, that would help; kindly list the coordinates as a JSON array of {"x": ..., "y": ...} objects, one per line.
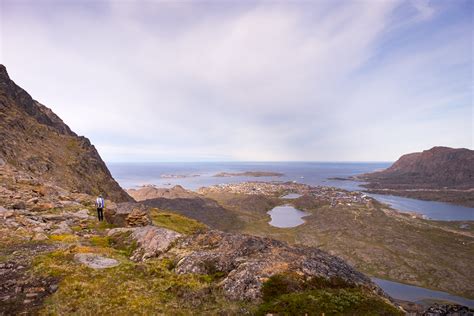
[
  {"x": 35, "y": 140},
  {"x": 440, "y": 173}
]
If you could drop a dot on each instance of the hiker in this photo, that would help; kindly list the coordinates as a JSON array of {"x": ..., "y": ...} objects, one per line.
[{"x": 100, "y": 207}]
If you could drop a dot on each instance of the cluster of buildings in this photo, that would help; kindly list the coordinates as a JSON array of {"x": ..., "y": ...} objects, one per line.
[{"x": 334, "y": 196}]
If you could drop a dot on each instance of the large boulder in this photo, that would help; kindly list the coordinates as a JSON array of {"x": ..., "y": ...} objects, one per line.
[
  {"x": 95, "y": 261},
  {"x": 150, "y": 241},
  {"x": 128, "y": 214}
]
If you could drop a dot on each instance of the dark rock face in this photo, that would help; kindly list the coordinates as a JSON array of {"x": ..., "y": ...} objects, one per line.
[
  {"x": 436, "y": 168},
  {"x": 248, "y": 261},
  {"x": 34, "y": 139}
]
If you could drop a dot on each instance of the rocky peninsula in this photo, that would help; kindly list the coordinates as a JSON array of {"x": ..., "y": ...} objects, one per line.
[{"x": 438, "y": 174}]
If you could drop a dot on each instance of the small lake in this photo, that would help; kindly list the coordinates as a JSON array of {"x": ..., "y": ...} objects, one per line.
[
  {"x": 291, "y": 196},
  {"x": 418, "y": 294},
  {"x": 285, "y": 216}
]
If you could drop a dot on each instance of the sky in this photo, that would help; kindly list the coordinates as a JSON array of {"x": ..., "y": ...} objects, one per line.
[{"x": 244, "y": 80}]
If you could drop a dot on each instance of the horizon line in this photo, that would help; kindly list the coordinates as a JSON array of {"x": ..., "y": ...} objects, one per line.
[{"x": 252, "y": 161}]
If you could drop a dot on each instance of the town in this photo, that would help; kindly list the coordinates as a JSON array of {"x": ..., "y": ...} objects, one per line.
[{"x": 331, "y": 195}]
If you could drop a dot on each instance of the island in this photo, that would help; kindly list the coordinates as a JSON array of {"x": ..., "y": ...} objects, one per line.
[
  {"x": 255, "y": 174},
  {"x": 178, "y": 176}
]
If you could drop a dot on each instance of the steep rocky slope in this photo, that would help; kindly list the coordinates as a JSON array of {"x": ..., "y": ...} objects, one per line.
[
  {"x": 439, "y": 174},
  {"x": 35, "y": 140}
]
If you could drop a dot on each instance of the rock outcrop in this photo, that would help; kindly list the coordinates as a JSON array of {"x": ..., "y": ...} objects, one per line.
[
  {"x": 37, "y": 141},
  {"x": 151, "y": 241},
  {"x": 244, "y": 261},
  {"x": 127, "y": 214}
]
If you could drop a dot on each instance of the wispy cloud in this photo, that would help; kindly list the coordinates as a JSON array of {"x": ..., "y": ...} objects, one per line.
[{"x": 362, "y": 80}]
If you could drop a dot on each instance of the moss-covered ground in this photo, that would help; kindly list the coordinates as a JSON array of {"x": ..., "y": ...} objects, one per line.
[{"x": 286, "y": 294}]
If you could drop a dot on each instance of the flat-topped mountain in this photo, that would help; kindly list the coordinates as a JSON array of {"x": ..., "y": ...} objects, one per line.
[
  {"x": 36, "y": 140},
  {"x": 440, "y": 173}
]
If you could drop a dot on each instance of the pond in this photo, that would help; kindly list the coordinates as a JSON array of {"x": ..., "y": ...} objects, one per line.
[
  {"x": 419, "y": 294},
  {"x": 285, "y": 216},
  {"x": 291, "y": 196}
]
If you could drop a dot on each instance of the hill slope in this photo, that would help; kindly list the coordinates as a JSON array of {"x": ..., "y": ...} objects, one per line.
[
  {"x": 36, "y": 140},
  {"x": 440, "y": 173}
]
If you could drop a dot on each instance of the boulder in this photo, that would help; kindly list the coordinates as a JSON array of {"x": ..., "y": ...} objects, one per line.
[
  {"x": 4, "y": 213},
  {"x": 82, "y": 214},
  {"x": 128, "y": 214},
  {"x": 95, "y": 261},
  {"x": 62, "y": 228},
  {"x": 151, "y": 241},
  {"x": 39, "y": 237}
]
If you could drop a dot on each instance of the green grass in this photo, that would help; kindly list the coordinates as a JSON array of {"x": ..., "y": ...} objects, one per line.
[
  {"x": 64, "y": 238},
  {"x": 290, "y": 294},
  {"x": 176, "y": 222},
  {"x": 130, "y": 288}
]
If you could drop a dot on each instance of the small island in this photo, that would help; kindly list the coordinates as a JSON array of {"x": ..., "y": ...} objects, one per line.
[
  {"x": 249, "y": 174},
  {"x": 178, "y": 176}
]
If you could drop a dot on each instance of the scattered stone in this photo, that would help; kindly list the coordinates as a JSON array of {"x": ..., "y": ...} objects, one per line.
[
  {"x": 62, "y": 229},
  {"x": 119, "y": 230},
  {"x": 39, "y": 237},
  {"x": 82, "y": 214},
  {"x": 33, "y": 200},
  {"x": 95, "y": 261},
  {"x": 448, "y": 309},
  {"x": 19, "y": 205}
]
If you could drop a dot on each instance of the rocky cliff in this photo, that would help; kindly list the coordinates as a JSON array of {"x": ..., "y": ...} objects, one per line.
[{"x": 37, "y": 141}]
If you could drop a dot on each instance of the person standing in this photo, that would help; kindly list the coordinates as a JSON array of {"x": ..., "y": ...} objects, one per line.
[{"x": 100, "y": 204}]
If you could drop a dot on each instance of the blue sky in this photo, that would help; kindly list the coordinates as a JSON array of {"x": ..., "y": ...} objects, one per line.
[{"x": 249, "y": 80}]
